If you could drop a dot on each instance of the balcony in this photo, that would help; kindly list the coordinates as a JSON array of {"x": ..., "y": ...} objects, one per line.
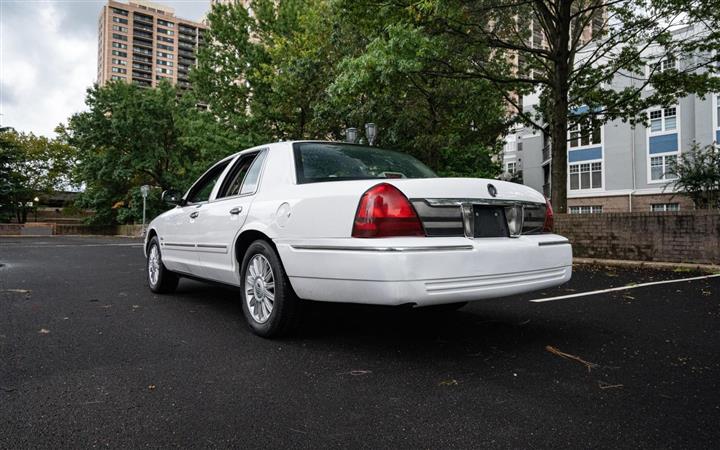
[
  {"x": 142, "y": 51},
  {"x": 141, "y": 75},
  {"x": 142, "y": 59},
  {"x": 142, "y": 35},
  {"x": 186, "y": 46},
  {"x": 188, "y": 55},
  {"x": 546, "y": 154},
  {"x": 187, "y": 39},
  {"x": 137, "y": 26},
  {"x": 137, "y": 40},
  {"x": 143, "y": 83},
  {"x": 142, "y": 19},
  {"x": 142, "y": 68}
]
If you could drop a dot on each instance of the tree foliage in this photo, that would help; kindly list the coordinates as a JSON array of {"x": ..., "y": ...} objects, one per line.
[
  {"x": 308, "y": 69},
  {"x": 131, "y": 136},
  {"x": 30, "y": 166},
  {"x": 573, "y": 53},
  {"x": 698, "y": 176}
]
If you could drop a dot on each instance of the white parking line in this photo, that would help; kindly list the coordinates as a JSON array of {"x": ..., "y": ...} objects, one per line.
[
  {"x": 138, "y": 244},
  {"x": 621, "y": 288}
]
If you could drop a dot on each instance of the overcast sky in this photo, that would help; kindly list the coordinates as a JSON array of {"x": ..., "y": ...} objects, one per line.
[{"x": 48, "y": 58}]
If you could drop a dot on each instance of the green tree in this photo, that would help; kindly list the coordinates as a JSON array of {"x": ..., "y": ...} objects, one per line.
[
  {"x": 545, "y": 46},
  {"x": 131, "y": 136},
  {"x": 698, "y": 176},
  {"x": 30, "y": 166},
  {"x": 307, "y": 69}
]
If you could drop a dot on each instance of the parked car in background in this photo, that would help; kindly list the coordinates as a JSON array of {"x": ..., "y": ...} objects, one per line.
[{"x": 339, "y": 222}]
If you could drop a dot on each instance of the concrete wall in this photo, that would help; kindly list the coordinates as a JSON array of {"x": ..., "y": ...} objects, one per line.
[
  {"x": 689, "y": 237},
  {"x": 43, "y": 229}
]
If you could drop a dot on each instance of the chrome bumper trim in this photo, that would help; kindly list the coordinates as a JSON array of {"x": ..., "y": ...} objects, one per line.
[
  {"x": 438, "y": 248},
  {"x": 542, "y": 244}
]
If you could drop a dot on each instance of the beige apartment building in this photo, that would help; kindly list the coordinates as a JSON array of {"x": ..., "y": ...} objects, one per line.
[{"x": 143, "y": 43}]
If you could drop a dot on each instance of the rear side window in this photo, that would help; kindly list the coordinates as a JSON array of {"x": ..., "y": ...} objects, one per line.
[
  {"x": 320, "y": 161},
  {"x": 244, "y": 176}
]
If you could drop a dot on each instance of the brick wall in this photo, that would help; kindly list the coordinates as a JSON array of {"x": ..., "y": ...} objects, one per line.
[{"x": 685, "y": 236}]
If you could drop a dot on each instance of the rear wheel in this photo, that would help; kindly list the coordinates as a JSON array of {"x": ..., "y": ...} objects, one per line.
[
  {"x": 160, "y": 280},
  {"x": 271, "y": 307}
]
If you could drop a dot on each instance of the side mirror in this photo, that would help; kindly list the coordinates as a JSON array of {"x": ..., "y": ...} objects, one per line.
[{"x": 171, "y": 197}]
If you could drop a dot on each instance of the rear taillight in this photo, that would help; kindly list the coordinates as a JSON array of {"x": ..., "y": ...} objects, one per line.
[
  {"x": 384, "y": 211},
  {"x": 549, "y": 225}
]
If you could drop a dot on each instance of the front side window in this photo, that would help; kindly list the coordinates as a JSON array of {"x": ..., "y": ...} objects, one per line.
[
  {"x": 661, "y": 167},
  {"x": 585, "y": 175},
  {"x": 322, "y": 161},
  {"x": 201, "y": 190}
]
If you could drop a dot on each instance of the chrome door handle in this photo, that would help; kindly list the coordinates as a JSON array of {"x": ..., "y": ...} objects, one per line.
[
  {"x": 237, "y": 210},
  {"x": 194, "y": 214}
]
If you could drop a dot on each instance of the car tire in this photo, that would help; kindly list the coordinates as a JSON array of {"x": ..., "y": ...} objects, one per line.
[
  {"x": 270, "y": 305},
  {"x": 160, "y": 279}
]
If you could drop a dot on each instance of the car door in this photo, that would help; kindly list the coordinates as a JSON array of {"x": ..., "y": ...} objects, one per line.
[
  {"x": 222, "y": 219},
  {"x": 179, "y": 236}
]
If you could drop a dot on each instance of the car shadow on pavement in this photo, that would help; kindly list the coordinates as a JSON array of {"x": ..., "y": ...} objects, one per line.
[{"x": 478, "y": 330}]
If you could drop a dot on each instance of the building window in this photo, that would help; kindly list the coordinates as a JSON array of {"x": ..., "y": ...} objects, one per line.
[
  {"x": 120, "y": 28},
  {"x": 165, "y": 55},
  {"x": 119, "y": 37},
  {"x": 584, "y": 136},
  {"x": 122, "y": 12},
  {"x": 164, "y": 31},
  {"x": 660, "y": 167},
  {"x": 118, "y": 70},
  {"x": 165, "y": 23},
  {"x": 165, "y": 47},
  {"x": 663, "y": 207},
  {"x": 664, "y": 65},
  {"x": 115, "y": 77},
  {"x": 511, "y": 167},
  {"x": 119, "y": 62},
  {"x": 119, "y": 45},
  {"x": 119, "y": 53},
  {"x": 120, "y": 20},
  {"x": 166, "y": 39},
  {"x": 162, "y": 70},
  {"x": 165, "y": 63},
  {"x": 586, "y": 209},
  {"x": 662, "y": 120},
  {"x": 585, "y": 175}
]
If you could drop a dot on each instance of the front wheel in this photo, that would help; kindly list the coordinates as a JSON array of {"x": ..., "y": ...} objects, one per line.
[
  {"x": 160, "y": 280},
  {"x": 271, "y": 307}
]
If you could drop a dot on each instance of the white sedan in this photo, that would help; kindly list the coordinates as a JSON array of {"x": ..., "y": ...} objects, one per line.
[{"x": 338, "y": 222}]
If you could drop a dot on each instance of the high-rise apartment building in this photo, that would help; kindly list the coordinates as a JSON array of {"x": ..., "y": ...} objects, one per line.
[{"x": 143, "y": 43}]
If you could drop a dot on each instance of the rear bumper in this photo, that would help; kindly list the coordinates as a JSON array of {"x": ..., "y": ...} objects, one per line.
[{"x": 424, "y": 271}]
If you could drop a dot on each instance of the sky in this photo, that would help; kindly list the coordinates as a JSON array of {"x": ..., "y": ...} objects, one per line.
[{"x": 48, "y": 58}]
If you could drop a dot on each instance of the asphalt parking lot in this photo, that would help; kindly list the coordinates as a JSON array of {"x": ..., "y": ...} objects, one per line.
[{"x": 89, "y": 357}]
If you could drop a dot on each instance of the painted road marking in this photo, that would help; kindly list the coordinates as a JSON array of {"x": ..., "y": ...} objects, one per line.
[
  {"x": 138, "y": 244},
  {"x": 622, "y": 288}
]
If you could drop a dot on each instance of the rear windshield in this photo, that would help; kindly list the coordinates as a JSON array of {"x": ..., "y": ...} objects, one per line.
[{"x": 318, "y": 161}]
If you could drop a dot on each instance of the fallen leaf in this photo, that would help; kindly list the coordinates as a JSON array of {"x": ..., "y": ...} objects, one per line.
[
  {"x": 606, "y": 385},
  {"x": 151, "y": 387},
  {"x": 448, "y": 383},
  {"x": 44, "y": 331}
]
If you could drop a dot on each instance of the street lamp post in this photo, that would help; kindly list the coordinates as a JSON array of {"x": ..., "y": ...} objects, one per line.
[
  {"x": 37, "y": 200},
  {"x": 370, "y": 133},
  {"x": 351, "y": 135},
  {"x": 144, "y": 189}
]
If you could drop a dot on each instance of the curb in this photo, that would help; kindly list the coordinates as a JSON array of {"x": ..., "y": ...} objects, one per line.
[{"x": 711, "y": 268}]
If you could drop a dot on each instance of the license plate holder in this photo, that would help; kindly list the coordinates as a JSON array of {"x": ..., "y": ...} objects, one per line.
[{"x": 489, "y": 221}]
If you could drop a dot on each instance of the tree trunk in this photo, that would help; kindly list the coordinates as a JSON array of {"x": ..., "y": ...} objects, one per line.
[{"x": 558, "y": 179}]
